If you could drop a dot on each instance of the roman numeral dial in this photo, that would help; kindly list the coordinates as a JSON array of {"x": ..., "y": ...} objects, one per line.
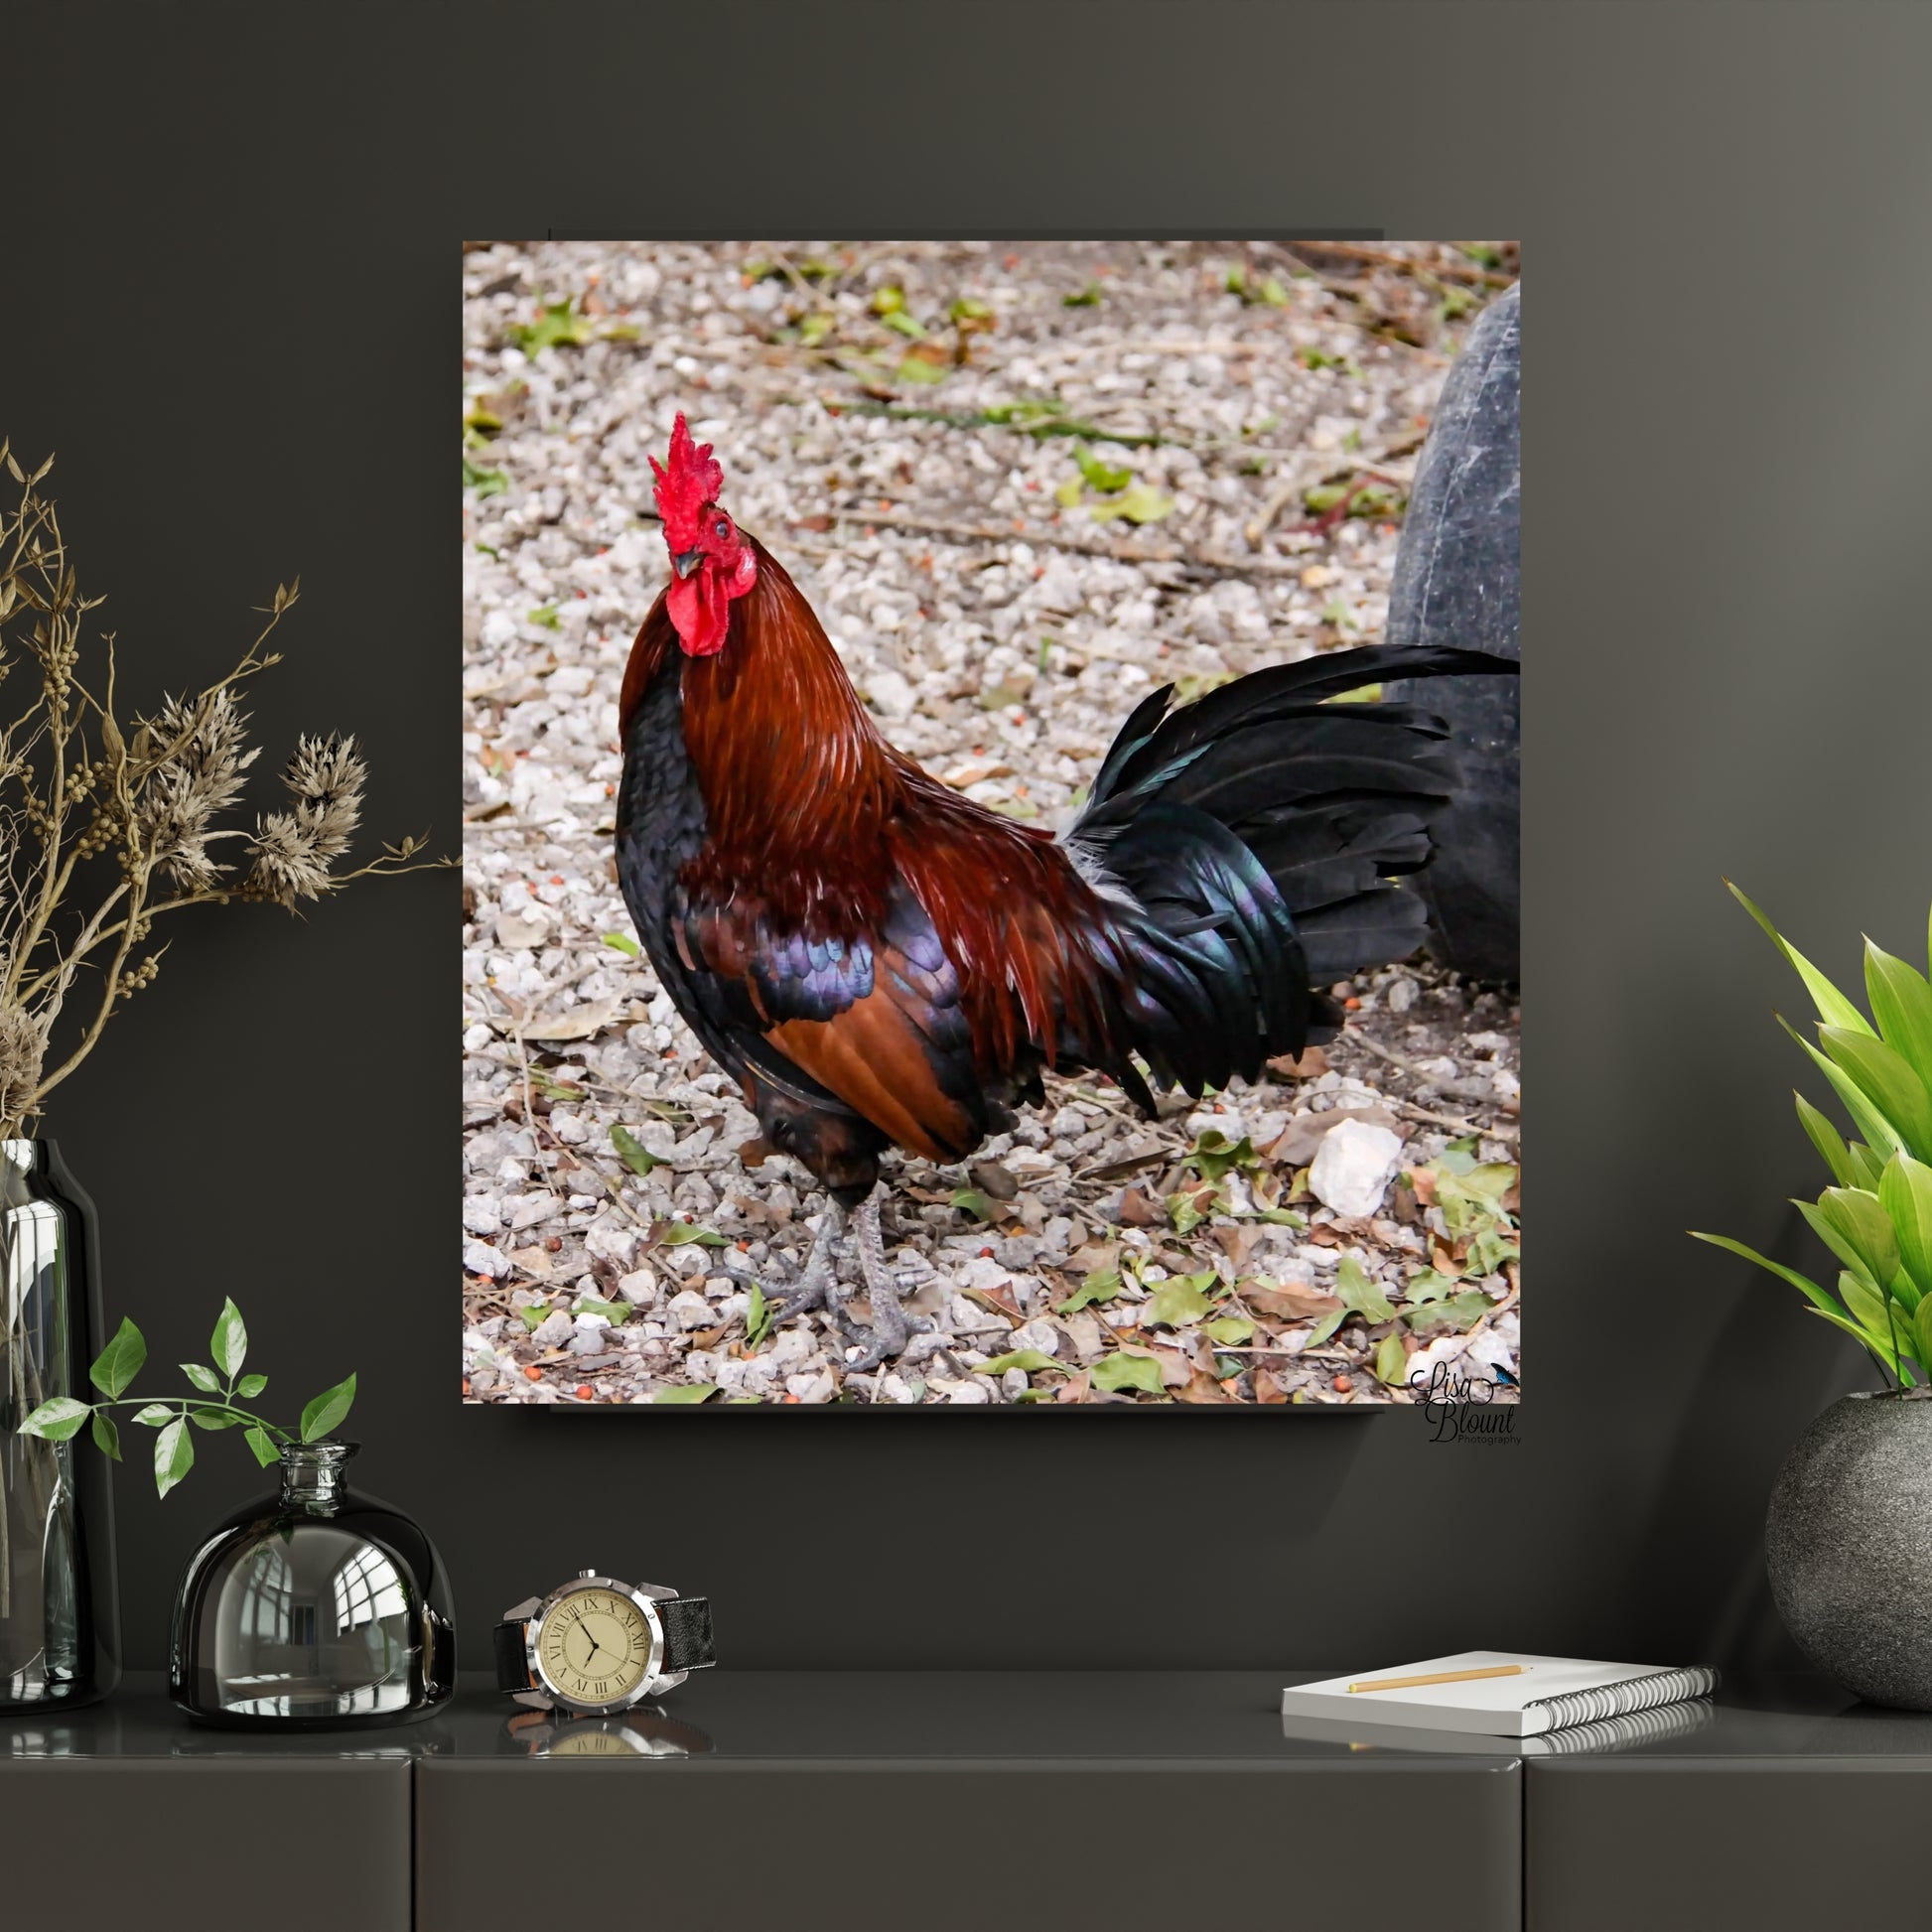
[{"x": 593, "y": 1646}]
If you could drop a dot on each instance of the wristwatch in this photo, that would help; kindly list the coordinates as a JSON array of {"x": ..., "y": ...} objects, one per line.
[{"x": 595, "y": 1645}]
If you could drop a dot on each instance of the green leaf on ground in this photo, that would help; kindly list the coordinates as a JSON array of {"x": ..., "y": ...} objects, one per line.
[
  {"x": 1031, "y": 1359},
  {"x": 1325, "y": 1328},
  {"x": 1391, "y": 1361},
  {"x": 631, "y": 1151},
  {"x": 1230, "y": 1330},
  {"x": 681, "y": 1234},
  {"x": 1360, "y": 1294},
  {"x": 1096, "y": 1290},
  {"x": 687, "y": 1392},
  {"x": 1179, "y": 1300},
  {"x": 1214, "y": 1153},
  {"x": 758, "y": 1317},
  {"x": 622, "y": 942},
  {"x": 1454, "y": 1313},
  {"x": 1141, "y": 504},
  {"x": 1121, "y": 1372},
  {"x": 1087, "y": 298},
  {"x": 973, "y": 1202},
  {"x": 1100, "y": 474},
  {"x": 485, "y": 482},
  {"x": 555, "y": 328}
]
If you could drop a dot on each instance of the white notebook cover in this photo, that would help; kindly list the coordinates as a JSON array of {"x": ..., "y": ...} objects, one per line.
[{"x": 1498, "y": 1707}]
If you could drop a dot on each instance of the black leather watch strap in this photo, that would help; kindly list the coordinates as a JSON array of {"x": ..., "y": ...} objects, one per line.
[
  {"x": 512, "y": 1657},
  {"x": 687, "y": 1632}
]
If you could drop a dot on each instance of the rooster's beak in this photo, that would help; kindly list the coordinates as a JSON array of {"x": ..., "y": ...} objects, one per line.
[{"x": 684, "y": 562}]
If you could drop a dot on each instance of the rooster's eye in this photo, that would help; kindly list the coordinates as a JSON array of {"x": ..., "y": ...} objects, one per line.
[{"x": 723, "y": 529}]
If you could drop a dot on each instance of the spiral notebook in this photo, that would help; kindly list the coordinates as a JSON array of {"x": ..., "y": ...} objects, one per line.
[{"x": 1550, "y": 1694}]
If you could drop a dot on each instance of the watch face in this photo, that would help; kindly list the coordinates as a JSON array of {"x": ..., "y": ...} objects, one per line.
[{"x": 593, "y": 1646}]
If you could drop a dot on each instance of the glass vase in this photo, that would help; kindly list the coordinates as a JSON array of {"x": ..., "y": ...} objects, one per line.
[
  {"x": 60, "y": 1613},
  {"x": 312, "y": 1610}
]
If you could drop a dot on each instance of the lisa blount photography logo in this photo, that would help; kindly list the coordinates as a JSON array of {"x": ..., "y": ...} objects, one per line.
[{"x": 1463, "y": 1408}]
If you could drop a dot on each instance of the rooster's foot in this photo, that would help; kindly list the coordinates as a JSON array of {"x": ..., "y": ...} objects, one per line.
[
  {"x": 890, "y": 1328},
  {"x": 816, "y": 1287}
]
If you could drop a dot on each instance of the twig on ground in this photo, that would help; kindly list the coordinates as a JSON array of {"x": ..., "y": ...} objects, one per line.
[
  {"x": 1122, "y": 550},
  {"x": 1310, "y": 474}
]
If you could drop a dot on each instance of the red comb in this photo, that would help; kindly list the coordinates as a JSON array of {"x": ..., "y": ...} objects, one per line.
[{"x": 686, "y": 482}]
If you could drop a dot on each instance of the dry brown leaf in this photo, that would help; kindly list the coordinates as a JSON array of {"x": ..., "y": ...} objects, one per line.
[
  {"x": 993, "y": 1180},
  {"x": 1311, "y": 1066},
  {"x": 1095, "y": 1259},
  {"x": 1075, "y": 1388},
  {"x": 997, "y": 1301},
  {"x": 1201, "y": 1387},
  {"x": 1267, "y": 1389},
  {"x": 1289, "y": 1303},
  {"x": 1294, "y": 1146},
  {"x": 1236, "y": 1243},
  {"x": 579, "y": 1023},
  {"x": 1137, "y": 1211}
]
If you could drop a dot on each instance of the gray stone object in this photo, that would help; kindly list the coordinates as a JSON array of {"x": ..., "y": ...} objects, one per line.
[
  {"x": 1457, "y": 581},
  {"x": 1849, "y": 1545}
]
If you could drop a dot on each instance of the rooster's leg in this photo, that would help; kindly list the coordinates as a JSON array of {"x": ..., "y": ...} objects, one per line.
[
  {"x": 891, "y": 1331},
  {"x": 815, "y": 1288}
]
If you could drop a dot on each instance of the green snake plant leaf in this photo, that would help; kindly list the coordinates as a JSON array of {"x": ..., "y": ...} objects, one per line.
[
  {"x": 1833, "y": 1007},
  {"x": 1905, "y": 1193},
  {"x": 1887, "y": 1079},
  {"x": 1819, "y": 1298},
  {"x": 1862, "y": 1223},
  {"x": 1829, "y": 1141},
  {"x": 1901, "y": 1003},
  {"x": 1877, "y": 1345},
  {"x": 1866, "y": 1167},
  {"x": 1867, "y": 1118}
]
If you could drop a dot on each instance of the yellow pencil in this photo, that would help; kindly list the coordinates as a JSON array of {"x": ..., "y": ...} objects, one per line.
[{"x": 1442, "y": 1677}]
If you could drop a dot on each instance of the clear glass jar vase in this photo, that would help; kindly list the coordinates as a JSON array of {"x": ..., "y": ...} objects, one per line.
[
  {"x": 59, "y": 1620},
  {"x": 314, "y": 1610}
]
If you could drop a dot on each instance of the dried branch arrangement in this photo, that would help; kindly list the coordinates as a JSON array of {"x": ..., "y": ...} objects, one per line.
[{"x": 108, "y": 826}]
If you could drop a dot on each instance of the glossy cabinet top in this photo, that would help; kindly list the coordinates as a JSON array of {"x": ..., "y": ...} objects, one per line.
[{"x": 938, "y": 1717}]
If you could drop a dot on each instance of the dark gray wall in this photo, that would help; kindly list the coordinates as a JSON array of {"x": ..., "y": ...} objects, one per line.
[{"x": 229, "y": 302}]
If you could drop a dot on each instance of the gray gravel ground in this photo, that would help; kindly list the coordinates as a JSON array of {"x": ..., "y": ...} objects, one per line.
[{"x": 1001, "y": 611}]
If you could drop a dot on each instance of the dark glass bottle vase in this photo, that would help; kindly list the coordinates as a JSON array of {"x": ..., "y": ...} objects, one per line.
[
  {"x": 312, "y": 1610},
  {"x": 59, "y": 1615}
]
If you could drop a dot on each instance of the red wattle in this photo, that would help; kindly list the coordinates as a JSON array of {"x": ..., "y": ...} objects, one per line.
[{"x": 699, "y": 608}]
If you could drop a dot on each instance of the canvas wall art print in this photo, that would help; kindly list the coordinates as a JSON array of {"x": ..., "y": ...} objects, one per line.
[{"x": 990, "y": 824}]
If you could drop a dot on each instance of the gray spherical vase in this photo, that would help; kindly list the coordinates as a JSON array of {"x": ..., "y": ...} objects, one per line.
[{"x": 1849, "y": 1545}]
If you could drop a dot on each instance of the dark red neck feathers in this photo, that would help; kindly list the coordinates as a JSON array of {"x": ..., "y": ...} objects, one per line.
[{"x": 815, "y": 818}]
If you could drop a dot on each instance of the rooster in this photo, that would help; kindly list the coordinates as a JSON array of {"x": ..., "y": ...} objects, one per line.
[{"x": 879, "y": 961}]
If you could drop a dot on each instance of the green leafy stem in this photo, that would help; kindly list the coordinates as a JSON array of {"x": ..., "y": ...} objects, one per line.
[{"x": 116, "y": 1366}]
